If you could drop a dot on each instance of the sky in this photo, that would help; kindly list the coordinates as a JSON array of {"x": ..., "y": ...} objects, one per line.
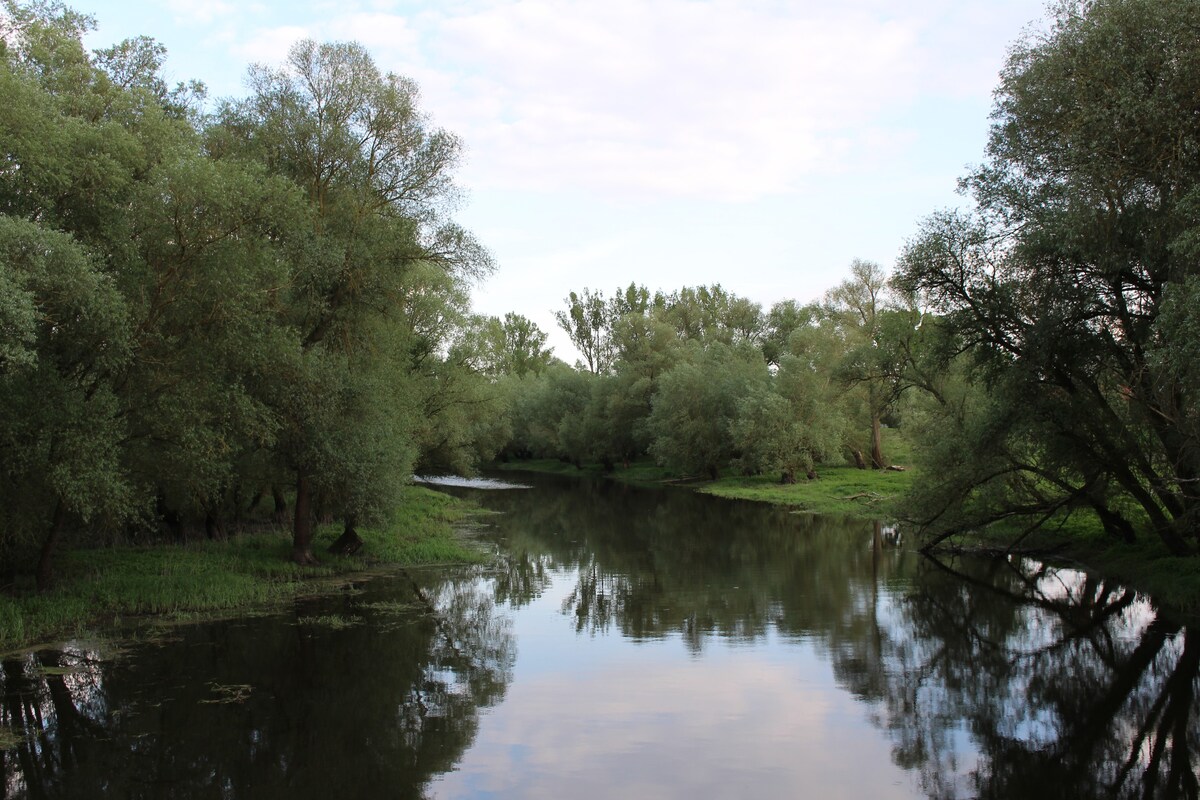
[{"x": 759, "y": 144}]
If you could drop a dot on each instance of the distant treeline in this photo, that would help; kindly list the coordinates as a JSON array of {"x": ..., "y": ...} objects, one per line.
[{"x": 705, "y": 381}]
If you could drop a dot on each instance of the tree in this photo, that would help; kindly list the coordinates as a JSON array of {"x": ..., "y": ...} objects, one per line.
[
  {"x": 784, "y": 318},
  {"x": 587, "y": 320},
  {"x": 379, "y": 183},
  {"x": 696, "y": 404},
  {"x": 857, "y": 305},
  {"x": 66, "y": 333},
  {"x": 512, "y": 346},
  {"x": 80, "y": 149},
  {"x": 1056, "y": 285},
  {"x": 710, "y": 313}
]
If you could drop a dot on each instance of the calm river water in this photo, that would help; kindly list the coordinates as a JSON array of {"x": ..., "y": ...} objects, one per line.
[{"x": 632, "y": 643}]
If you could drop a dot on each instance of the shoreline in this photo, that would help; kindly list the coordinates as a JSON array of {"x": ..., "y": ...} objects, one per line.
[
  {"x": 107, "y": 588},
  {"x": 1145, "y": 566}
]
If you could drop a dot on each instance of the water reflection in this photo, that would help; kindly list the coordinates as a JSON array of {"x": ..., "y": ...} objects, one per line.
[
  {"x": 1069, "y": 686},
  {"x": 344, "y": 697},
  {"x": 992, "y": 678},
  {"x": 672, "y": 645}
]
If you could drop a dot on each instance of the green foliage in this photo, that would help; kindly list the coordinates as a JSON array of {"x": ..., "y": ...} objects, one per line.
[
  {"x": 1061, "y": 288},
  {"x": 59, "y": 422},
  {"x": 666, "y": 388},
  {"x": 512, "y": 346},
  {"x": 696, "y": 404},
  {"x": 588, "y": 321},
  {"x": 196, "y": 311}
]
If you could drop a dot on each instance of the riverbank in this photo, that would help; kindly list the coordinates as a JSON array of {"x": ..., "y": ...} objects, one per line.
[
  {"x": 872, "y": 494},
  {"x": 105, "y": 587},
  {"x": 1080, "y": 541},
  {"x": 841, "y": 490}
]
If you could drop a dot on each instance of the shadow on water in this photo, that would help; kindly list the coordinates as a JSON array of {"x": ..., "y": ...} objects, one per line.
[
  {"x": 342, "y": 697},
  {"x": 988, "y": 679}
]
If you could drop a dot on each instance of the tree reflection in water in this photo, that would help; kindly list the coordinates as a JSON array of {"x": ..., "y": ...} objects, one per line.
[
  {"x": 379, "y": 703},
  {"x": 995, "y": 679},
  {"x": 991, "y": 679},
  {"x": 1070, "y": 686}
]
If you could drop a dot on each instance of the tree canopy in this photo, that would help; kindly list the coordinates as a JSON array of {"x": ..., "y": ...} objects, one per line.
[
  {"x": 1063, "y": 284},
  {"x": 200, "y": 308}
]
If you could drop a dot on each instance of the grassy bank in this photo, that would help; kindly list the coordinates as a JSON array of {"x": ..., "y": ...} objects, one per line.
[
  {"x": 103, "y": 587},
  {"x": 839, "y": 490},
  {"x": 845, "y": 491}
]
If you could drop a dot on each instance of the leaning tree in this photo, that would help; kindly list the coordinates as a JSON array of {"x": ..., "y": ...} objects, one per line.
[{"x": 1066, "y": 286}]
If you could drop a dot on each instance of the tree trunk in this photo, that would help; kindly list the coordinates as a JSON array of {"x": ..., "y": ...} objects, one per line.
[
  {"x": 788, "y": 476},
  {"x": 169, "y": 517},
  {"x": 877, "y": 443},
  {"x": 214, "y": 528},
  {"x": 45, "y": 565},
  {"x": 302, "y": 527},
  {"x": 255, "y": 500},
  {"x": 349, "y": 542},
  {"x": 281, "y": 511},
  {"x": 859, "y": 461}
]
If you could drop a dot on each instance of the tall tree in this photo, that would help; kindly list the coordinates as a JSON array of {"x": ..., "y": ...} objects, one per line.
[
  {"x": 857, "y": 305},
  {"x": 514, "y": 345},
  {"x": 1057, "y": 283},
  {"x": 696, "y": 405},
  {"x": 379, "y": 184},
  {"x": 588, "y": 321},
  {"x": 66, "y": 334}
]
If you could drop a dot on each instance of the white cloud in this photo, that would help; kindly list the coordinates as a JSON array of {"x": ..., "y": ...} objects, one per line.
[
  {"x": 717, "y": 99},
  {"x": 270, "y": 46},
  {"x": 378, "y": 32},
  {"x": 727, "y": 100},
  {"x": 202, "y": 12}
]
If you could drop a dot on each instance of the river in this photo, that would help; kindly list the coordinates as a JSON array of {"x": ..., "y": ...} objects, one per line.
[{"x": 639, "y": 643}]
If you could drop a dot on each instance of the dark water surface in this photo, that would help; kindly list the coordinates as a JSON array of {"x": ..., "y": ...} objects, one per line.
[{"x": 635, "y": 644}]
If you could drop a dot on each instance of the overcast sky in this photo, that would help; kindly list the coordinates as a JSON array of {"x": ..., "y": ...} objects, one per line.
[{"x": 761, "y": 145}]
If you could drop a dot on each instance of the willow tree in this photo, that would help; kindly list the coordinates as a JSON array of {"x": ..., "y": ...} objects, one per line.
[
  {"x": 378, "y": 179},
  {"x": 1084, "y": 233},
  {"x": 66, "y": 334},
  {"x": 77, "y": 146},
  {"x": 856, "y": 307},
  {"x": 692, "y": 420}
]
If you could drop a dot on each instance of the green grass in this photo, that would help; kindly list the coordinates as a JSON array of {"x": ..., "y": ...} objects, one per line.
[
  {"x": 844, "y": 491},
  {"x": 101, "y": 587}
]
